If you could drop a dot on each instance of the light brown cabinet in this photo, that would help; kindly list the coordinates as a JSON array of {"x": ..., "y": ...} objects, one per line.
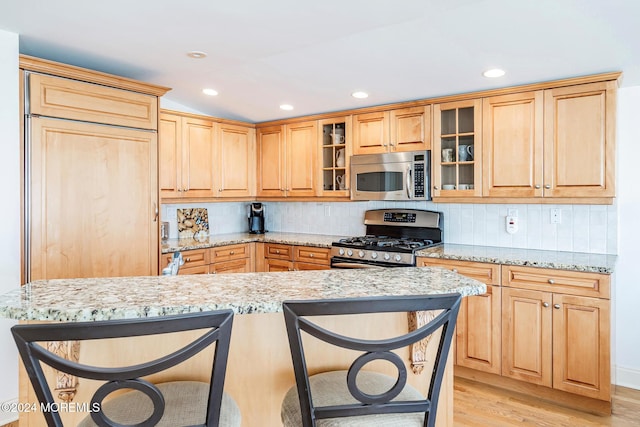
[
  {"x": 334, "y": 155},
  {"x": 478, "y": 328},
  {"x": 287, "y": 160},
  {"x": 556, "y": 329},
  {"x": 457, "y": 149},
  {"x": 553, "y": 143},
  {"x": 281, "y": 257},
  {"x": 235, "y": 161},
  {"x": 402, "y": 129},
  {"x": 187, "y": 162},
  {"x": 237, "y": 258}
]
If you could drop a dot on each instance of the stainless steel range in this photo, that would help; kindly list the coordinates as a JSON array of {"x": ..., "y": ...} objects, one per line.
[{"x": 393, "y": 237}]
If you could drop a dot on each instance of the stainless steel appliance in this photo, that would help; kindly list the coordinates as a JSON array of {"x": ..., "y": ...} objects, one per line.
[
  {"x": 256, "y": 218},
  {"x": 391, "y": 176},
  {"x": 393, "y": 237}
]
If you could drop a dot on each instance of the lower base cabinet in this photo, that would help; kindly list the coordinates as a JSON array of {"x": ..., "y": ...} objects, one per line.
[
  {"x": 280, "y": 257},
  {"x": 217, "y": 260},
  {"x": 547, "y": 327}
]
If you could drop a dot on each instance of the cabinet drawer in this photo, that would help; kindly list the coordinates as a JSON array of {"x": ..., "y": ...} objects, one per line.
[
  {"x": 242, "y": 265},
  {"x": 196, "y": 257},
  {"x": 199, "y": 269},
  {"x": 71, "y": 99},
  {"x": 312, "y": 255},
  {"x": 228, "y": 253},
  {"x": 278, "y": 251},
  {"x": 560, "y": 281},
  {"x": 303, "y": 266},
  {"x": 486, "y": 273}
]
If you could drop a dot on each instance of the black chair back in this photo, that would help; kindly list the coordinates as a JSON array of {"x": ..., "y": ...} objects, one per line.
[
  {"x": 218, "y": 330},
  {"x": 297, "y": 316}
]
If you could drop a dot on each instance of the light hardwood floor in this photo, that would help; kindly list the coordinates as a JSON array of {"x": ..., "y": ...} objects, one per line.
[{"x": 480, "y": 405}]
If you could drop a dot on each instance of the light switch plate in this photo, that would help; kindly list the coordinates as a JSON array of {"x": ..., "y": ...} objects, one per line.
[{"x": 556, "y": 216}]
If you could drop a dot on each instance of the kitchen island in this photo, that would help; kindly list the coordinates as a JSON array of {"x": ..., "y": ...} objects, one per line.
[{"x": 259, "y": 371}]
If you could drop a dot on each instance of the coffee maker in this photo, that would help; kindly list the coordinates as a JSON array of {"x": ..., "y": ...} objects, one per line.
[{"x": 256, "y": 218}]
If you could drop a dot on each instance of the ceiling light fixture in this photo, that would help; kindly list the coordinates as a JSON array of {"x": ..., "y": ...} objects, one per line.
[
  {"x": 210, "y": 92},
  {"x": 494, "y": 72},
  {"x": 360, "y": 95},
  {"x": 196, "y": 54},
  {"x": 286, "y": 107}
]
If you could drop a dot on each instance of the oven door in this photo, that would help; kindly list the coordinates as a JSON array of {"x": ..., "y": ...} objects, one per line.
[
  {"x": 382, "y": 181},
  {"x": 344, "y": 263}
]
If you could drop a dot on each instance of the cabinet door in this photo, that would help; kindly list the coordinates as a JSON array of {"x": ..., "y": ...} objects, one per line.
[
  {"x": 236, "y": 161},
  {"x": 457, "y": 149},
  {"x": 170, "y": 156},
  {"x": 271, "y": 166},
  {"x": 334, "y": 138},
  {"x": 526, "y": 335},
  {"x": 371, "y": 133},
  {"x": 304, "y": 266},
  {"x": 92, "y": 187},
  {"x": 579, "y": 142},
  {"x": 512, "y": 145},
  {"x": 581, "y": 346},
  {"x": 198, "y": 160},
  {"x": 233, "y": 266},
  {"x": 411, "y": 128},
  {"x": 301, "y": 162},
  {"x": 278, "y": 265}
]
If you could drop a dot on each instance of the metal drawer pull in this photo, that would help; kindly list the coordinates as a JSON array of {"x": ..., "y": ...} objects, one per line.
[
  {"x": 548, "y": 187},
  {"x": 551, "y": 281},
  {"x": 537, "y": 186},
  {"x": 545, "y": 304},
  {"x": 556, "y": 306},
  {"x": 310, "y": 255}
]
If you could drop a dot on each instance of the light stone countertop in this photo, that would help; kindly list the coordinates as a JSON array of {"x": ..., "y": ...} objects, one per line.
[
  {"x": 574, "y": 261},
  {"x": 72, "y": 300},
  {"x": 560, "y": 260}
]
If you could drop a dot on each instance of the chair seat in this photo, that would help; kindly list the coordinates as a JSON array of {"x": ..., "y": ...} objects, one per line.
[
  {"x": 185, "y": 405},
  {"x": 330, "y": 388}
]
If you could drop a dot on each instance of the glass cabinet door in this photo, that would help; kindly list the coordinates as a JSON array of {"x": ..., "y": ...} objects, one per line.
[
  {"x": 336, "y": 151},
  {"x": 457, "y": 167}
]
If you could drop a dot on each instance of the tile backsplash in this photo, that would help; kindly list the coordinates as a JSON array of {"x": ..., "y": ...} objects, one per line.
[{"x": 583, "y": 228}]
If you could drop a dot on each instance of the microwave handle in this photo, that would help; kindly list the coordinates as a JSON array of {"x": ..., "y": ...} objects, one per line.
[{"x": 409, "y": 181}]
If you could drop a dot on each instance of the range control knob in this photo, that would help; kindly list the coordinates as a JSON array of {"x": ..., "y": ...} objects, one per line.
[
  {"x": 349, "y": 252},
  {"x": 361, "y": 254},
  {"x": 340, "y": 251},
  {"x": 386, "y": 256},
  {"x": 398, "y": 258},
  {"x": 374, "y": 255}
]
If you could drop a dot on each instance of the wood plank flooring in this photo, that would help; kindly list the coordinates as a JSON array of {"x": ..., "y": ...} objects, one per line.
[{"x": 480, "y": 405}]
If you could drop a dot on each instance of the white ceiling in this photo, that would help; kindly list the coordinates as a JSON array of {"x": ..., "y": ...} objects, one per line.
[{"x": 314, "y": 54}]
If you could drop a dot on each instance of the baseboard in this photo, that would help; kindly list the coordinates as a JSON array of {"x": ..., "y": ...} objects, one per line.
[
  {"x": 627, "y": 377},
  {"x": 8, "y": 417}
]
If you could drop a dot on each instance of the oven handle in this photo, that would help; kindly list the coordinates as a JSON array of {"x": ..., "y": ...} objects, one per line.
[
  {"x": 352, "y": 265},
  {"x": 409, "y": 182}
]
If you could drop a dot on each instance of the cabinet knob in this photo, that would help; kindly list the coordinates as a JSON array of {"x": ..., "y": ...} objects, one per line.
[
  {"x": 455, "y": 270},
  {"x": 435, "y": 187},
  {"x": 545, "y": 304},
  {"x": 551, "y": 281},
  {"x": 277, "y": 251},
  {"x": 187, "y": 259},
  {"x": 556, "y": 306},
  {"x": 231, "y": 252},
  {"x": 537, "y": 186},
  {"x": 310, "y": 255},
  {"x": 547, "y": 186}
]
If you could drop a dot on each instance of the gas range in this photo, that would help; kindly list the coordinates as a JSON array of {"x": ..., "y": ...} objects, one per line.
[{"x": 393, "y": 236}]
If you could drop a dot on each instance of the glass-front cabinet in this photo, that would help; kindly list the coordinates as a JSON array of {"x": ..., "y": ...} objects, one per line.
[
  {"x": 335, "y": 152},
  {"x": 457, "y": 149}
]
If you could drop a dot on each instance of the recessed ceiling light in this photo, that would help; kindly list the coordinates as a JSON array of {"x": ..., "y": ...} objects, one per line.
[
  {"x": 360, "y": 95},
  {"x": 494, "y": 72},
  {"x": 210, "y": 92},
  {"x": 196, "y": 54},
  {"x": 286, "y": 107}
]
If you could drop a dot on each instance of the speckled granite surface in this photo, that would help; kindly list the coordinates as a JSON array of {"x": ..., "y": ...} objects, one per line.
[
  {"x": 575, "y": 261},
  {"x": 318, "y": 240},
  {"x": 132, "y": 297}
]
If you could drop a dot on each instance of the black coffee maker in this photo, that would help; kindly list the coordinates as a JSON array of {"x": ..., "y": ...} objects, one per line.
[{"x": 256, "y": 218}]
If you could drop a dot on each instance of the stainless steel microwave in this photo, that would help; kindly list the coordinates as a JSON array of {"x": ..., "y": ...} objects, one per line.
[{"x": 391, "y": 176}]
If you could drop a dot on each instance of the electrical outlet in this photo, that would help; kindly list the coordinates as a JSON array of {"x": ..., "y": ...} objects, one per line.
[
  {"x": 512, "y": 224},
  {"x": 556, "y": 216}
]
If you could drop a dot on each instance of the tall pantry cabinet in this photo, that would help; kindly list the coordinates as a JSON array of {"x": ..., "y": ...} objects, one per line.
[{"x": 91, "y": 179}]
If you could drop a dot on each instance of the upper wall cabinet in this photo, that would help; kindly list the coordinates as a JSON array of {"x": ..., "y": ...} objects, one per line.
[
  {"x": 186, "y": 157},
  {"x": 457, "y": 149},
  {"x": 554, "y": 143},
  {"x": 404, "y": 129},
  {"x": 335, "y": 152},
  {"x": 287, "y": 160},
  {"x": 235, "y": 161}
]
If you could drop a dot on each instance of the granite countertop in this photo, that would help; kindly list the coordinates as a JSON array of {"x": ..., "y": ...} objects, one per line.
[
  {"x": 244, "y": 293},
  {"x": 300, "y": 239},
  {"x": 574, "y": 261}
]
